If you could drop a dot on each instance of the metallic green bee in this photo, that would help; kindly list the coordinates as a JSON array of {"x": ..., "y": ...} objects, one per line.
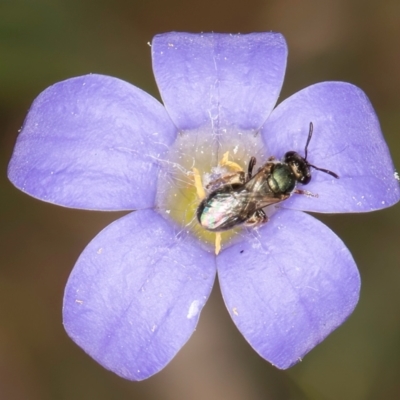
[{"x": 242, "y": 197}]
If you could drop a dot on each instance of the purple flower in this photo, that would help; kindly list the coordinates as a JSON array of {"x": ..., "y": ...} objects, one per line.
[{"x": 135, "y": 294}]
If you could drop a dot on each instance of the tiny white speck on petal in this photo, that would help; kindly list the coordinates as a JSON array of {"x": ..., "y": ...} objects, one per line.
[{"x": 193, "y": 309}]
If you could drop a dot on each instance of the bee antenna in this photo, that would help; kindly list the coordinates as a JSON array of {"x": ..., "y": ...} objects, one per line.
[
  {"x": 310, "y": 132},
  {"x": 327, "y": 171}
]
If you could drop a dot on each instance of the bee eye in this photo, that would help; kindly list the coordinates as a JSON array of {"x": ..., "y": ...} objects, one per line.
[
  {"x": 305, "y": 179},
  {"x": 290, "y": 156}
]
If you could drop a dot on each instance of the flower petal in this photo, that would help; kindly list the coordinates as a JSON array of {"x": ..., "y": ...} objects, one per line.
[
  {"x": 347, "y": 140},
  {"x": 219, "y": 80},
  {"x": 135, "y": 294},
  {"x": 288, "y": 286},
  {"x": 92, "y": 142}
]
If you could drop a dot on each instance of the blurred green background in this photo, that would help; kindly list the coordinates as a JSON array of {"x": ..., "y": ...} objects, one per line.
[{"x": 45, "y": 41}]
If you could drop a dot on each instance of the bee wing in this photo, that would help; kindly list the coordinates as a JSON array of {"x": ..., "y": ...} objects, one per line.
[
  {"x": 249, "y": 202},
  {"x": 225, "y": 210},
  {"x": 268, "y": 200}
]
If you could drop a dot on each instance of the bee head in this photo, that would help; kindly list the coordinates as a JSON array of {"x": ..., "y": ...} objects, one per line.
[{"x": 299, "y": 165}]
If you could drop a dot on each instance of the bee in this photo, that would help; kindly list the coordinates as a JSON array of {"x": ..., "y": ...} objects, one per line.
[{"x": 241, "y": 197}]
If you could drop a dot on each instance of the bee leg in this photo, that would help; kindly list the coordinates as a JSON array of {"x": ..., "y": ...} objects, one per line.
[
  {"x": 236, "y": 177},
  {"x": 305, "y": 193},
  {"x": 258, "y": 218},
  {"x": 252, "y": 163},
  {"x": 231, "y": 179}
]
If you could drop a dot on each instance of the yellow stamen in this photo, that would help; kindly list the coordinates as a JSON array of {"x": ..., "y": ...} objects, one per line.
[
  {"x": 201, "y": 194},
  {"x": 230, "y": 164},
  {"x": 217, "y": 243}
]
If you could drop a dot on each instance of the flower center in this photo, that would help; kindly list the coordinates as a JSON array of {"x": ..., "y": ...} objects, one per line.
[{"x": 194, "y": 162}]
